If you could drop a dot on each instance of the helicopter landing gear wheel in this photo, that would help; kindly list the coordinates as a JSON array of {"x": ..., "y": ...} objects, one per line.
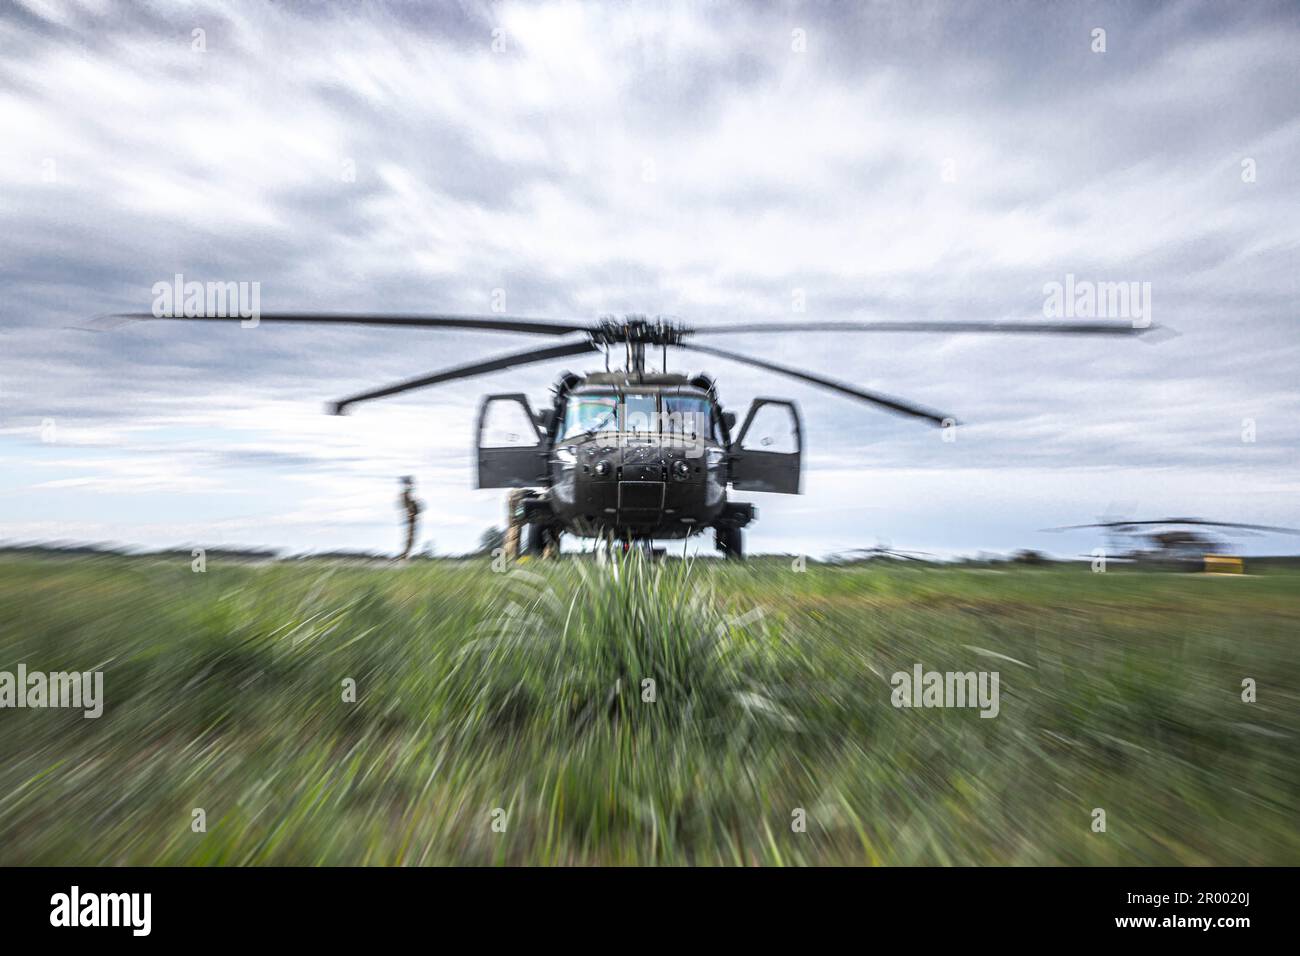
[
  {"x": 731, "y": 542},
  {"x": 551, "y": 543}
]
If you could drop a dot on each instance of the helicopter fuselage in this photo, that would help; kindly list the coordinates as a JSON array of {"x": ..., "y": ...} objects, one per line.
[
  {"x": 637, "y": 485},
  {"x": 636, "y": 457}
]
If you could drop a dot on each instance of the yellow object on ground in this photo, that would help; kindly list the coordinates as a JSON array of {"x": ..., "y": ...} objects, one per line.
[{"x": 1224, "y": 564}]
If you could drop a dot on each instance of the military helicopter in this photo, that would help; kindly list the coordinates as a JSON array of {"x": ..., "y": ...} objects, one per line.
[
  {"x": 634, "y": 455},
  {"x": 1176, "y": 543},
  {"x": 881, "y": 552}
]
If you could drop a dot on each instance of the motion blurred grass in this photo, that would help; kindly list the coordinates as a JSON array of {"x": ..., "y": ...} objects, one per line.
[{"x": 523, "y": 692}]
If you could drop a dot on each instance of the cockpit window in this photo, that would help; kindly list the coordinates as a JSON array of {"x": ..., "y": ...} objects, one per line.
[
  {"x": 590, "y": 414},
  {"x": 642, "y": 413},
  {"x": 688, "y": 416}
]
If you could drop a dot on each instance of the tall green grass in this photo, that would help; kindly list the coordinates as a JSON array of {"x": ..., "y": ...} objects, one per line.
[{"x": 522, "y": 698}]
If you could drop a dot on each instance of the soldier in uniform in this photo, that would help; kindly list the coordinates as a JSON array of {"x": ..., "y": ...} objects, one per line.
[
  {"x": 412, "y": 506},
  {"x": 542, "y": 541},
  {"x": 514, "y": 529}
]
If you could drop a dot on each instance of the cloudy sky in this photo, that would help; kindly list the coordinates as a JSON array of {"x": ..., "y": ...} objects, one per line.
[{"x": 712, "y": 162}]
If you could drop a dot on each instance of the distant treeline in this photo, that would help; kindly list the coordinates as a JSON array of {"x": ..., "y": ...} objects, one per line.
[
  {"x": 236, "y": 553},
  {"x": 1030, "y": 558}
]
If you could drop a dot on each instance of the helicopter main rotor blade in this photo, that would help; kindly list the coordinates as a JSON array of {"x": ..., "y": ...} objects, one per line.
[
  {"x": 1179, "y": 521},
  {"x": 876, "y": 398},
  {"x": 1058, "y": 328},
  {"x": 466, "y": 371},
  {"x": 484, "y": 323},
  {"x": 1078, "y": 527}
]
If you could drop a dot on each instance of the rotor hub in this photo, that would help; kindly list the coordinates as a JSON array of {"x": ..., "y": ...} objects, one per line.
[{"x": 637, "y": 330}]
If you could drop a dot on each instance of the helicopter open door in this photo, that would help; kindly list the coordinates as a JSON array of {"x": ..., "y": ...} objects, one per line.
[
  {"x": 767, "y": 455},
  {"x": 511, "y": 450}
]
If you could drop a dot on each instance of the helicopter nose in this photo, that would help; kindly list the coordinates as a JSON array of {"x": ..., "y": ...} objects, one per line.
[{"x": 641, "y": 484}]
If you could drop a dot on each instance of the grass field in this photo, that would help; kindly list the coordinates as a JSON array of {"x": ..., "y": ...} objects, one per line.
[{"x": 522, "y": 692}]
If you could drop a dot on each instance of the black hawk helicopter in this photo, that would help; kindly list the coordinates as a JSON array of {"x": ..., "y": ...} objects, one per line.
[
  {"x": 881, "y": 552},
  {"x": 1189, "y": 544},
  {"x": 634, "y": 455}
]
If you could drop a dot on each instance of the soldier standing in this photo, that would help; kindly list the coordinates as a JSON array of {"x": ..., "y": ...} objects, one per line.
[
  {"x": 412, "y": 506},
  {"x": 510, "y": 545}
]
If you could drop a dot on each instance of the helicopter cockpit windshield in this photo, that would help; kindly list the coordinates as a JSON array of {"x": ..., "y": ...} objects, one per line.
[
  {"x": 689, "y": 416},
  {"x": 638, "y": 414},
  {"x": 590, "y": 415}
]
